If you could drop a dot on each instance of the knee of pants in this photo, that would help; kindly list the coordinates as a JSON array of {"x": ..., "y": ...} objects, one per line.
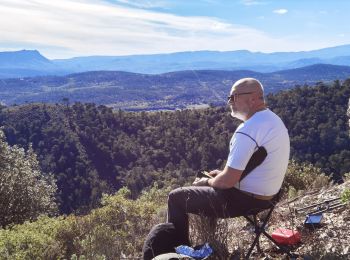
[{"x": 176, "y": 195}]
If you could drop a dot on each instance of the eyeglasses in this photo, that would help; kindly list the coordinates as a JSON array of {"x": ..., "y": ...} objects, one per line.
[{"x": 234, "y": 96}]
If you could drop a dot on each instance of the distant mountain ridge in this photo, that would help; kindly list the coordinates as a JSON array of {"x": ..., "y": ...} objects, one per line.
[
  {"x": 31, "y": 63},
  {"x": 27, "y": 63},
  {"x": 135, "y": 91},
  {"x": 22, "y": 58}
]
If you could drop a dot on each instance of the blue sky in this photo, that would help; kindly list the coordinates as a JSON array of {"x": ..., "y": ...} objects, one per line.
[{"x": 69, "y": 28}]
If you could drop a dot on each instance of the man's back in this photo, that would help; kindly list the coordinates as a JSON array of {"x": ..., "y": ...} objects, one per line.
[{"x": 268, "y": 130}]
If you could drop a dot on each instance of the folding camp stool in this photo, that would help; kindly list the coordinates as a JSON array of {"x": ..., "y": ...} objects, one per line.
[{"x": 259, "y": 227}]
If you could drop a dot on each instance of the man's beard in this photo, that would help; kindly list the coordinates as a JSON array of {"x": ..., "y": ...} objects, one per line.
[{"x": 233, "y": 111}]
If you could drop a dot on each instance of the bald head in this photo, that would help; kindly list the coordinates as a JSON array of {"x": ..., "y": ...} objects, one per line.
[
  {"x": 248, "y": 85},
  {"x": 246, "y": 98}
]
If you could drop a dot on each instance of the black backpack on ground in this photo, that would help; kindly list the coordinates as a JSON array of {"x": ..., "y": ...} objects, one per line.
[{"x": 162, "y": 238}]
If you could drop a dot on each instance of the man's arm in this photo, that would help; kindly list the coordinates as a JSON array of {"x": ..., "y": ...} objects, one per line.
[{"x": 224, "y": 180}]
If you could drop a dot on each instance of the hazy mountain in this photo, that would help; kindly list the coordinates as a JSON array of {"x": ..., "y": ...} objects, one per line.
[
  {"x": 31, "y": 63},
  {"x": 23, "y": 59},
  {"x": 162, "y": 91},
  {"x": 199, "y": 60},
  {"x": 341, "y": 60},
  {"x": 27, "y": 63}
]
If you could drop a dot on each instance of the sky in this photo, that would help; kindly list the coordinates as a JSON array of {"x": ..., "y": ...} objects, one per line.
[{"x": 72, "y": 28}]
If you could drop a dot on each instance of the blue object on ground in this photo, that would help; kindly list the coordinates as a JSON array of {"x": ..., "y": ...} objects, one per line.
[
  {"x": 313, "y": 220},
  {"x": 172, "y": 256},
  {"x": 200, "y": 253}
]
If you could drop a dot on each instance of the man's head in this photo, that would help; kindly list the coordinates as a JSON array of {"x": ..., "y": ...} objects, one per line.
[{"x": 246, "y": 98}]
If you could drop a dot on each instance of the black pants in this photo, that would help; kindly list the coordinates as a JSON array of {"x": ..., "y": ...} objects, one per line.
[{"x": 210, "y": 202}]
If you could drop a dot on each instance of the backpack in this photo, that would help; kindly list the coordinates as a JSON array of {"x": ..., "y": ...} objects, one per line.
[{"x": 162, "y": 238}]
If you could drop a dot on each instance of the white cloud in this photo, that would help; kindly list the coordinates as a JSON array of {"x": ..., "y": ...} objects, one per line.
[
  {"x": 142, "y": 3},
  {"x": 251, "y": 2},
  {"x": 280, "y": 11},
  {"x": 66, "y": 28}
]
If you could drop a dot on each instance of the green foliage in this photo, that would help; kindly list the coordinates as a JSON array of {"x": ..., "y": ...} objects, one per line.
[
  {"x": 93, "y": 150},
  {"x": 59, "y": 152},
  {"x": 345, "y": 196},
  {"x": 347, "y": 176},
  {"x": 25, "y": 192},
  {"x": 303, "y": 176},
  {"x": 31, "y": 240},
  {"x": 117, "y": 228},
  {"x": 317, "y": 123},
  {"x": 88, "y": 146}
]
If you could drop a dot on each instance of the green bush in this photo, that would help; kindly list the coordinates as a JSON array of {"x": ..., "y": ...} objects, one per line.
[
  {"x": 25, "y": 192},
  {"x": 117, "y": 228},
  {"x": 31, "y": 240},
  {"x": 345, "y": 196},
  {"x": 120, "y": 225},
  {"x": 304, "y": 176}
]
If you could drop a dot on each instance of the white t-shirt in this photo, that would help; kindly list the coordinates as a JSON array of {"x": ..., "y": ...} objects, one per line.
[{"x": 268, "y": 130}]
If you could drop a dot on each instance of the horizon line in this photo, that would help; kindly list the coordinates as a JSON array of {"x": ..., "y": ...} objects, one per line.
[{"x": 170, "y": 53}]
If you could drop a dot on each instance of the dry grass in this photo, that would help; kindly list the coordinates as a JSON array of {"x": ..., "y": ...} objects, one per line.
[{"x": 230, "y": 238}]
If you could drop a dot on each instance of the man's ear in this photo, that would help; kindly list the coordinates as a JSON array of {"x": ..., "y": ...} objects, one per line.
[{"x": 253, "y": 99}]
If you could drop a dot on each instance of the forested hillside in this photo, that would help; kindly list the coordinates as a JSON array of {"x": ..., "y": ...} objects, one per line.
[
  {"x": 92, "y": 149},
  {"x": 317, "y": 123},
  {"x": 145, "y": 92}
]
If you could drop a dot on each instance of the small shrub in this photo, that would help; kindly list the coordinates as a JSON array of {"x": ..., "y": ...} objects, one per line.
[
  {"x": 345, "y": 196},
  {"x": 346, "y": 176},
  {"x": 116, "y": 229},
  {"x": 31, "y": 240},
  {"x": 213, "y": 231},
  {"x": 304, "y": 176},
  {"x": 25, "y": 192}
]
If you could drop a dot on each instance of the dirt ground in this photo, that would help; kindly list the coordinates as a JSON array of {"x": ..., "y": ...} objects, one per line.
[{"x": 331, "y": 240}]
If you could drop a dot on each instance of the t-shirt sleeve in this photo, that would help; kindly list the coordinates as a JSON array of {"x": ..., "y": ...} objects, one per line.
[{"x": 241, "y": 149}]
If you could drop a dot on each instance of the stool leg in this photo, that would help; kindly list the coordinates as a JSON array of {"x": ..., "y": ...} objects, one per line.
[
  {"x": 252, "y": 247},
  {"x": 257, "y": 232}
]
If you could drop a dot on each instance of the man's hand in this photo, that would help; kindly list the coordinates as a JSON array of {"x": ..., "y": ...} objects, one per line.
[
  {"x": 213, "y": 173},
  {"x": 200, "y": 182}
]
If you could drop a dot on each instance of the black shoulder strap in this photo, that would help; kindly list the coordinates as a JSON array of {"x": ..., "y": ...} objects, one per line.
[
  {"x": 249, "y": 137},
  {"x": 255, "y": 160}
]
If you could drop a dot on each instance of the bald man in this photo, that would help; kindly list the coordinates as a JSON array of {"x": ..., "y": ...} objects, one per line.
[{"x": 226, "y": 194}]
